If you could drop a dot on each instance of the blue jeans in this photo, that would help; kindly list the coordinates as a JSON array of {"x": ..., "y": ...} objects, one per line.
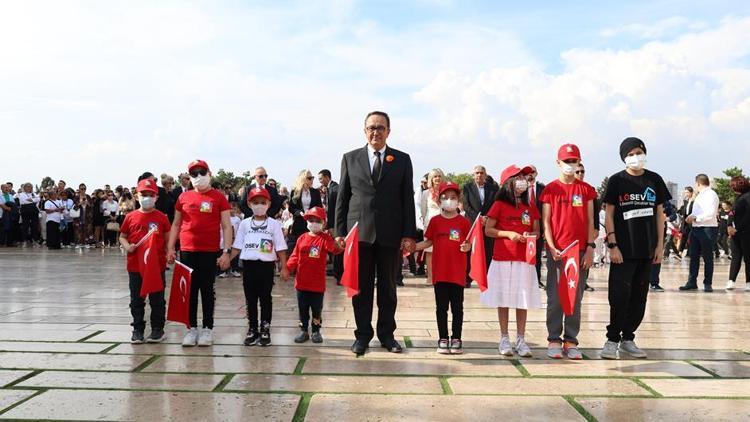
[{"x": 702, "y": 241}]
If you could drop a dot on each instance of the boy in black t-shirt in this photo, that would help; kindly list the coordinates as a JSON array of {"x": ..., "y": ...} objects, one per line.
[{"x": 634, "y": 222}]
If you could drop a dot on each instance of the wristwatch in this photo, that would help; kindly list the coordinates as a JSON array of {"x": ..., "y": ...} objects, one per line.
[
  {"x": 611, "y": 245},
  {"x": 229, "y": 251},
  {"x": 591, "y": 245}
]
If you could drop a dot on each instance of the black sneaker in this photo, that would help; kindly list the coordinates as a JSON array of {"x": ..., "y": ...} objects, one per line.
[
  {"x": 688, "y": 287},
  {"x": 708, "y": 289},
  {"x": 251, "y": 339},
  {"x": 316, "y": 337},
  {"x": 302, "y": 337},
  {"x": 588, "y": 288},
  {"x": 265, "y": 336},
  {"x": 656, "y": 288},
  {"x": 137, "y": 337},
  {"x": 157, "y": 336}
]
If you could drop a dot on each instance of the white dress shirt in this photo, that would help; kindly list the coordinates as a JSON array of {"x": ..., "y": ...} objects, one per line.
[
  {"x": 371, "y": 156},
  {"x": 306, "y": 200},
  {"x": 481, "y": 194},
  {"x": 28, "y": 198},
  {"x": 706, "y": 208}
]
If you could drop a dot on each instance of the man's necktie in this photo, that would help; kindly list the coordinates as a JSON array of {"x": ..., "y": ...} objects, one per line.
[{"x": 376, "y": 168}]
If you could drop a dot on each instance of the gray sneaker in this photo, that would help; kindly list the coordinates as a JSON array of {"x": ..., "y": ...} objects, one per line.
[
  {"x": 522, "y": 348},
  {"x": 629, "y": 347},
  {"x": 573, "y": 353},
  {"x": 609, "y": 351},
  {"x": 504, "y": 347}
]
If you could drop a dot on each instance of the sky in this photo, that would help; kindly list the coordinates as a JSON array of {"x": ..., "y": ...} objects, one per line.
[{"x": 98, "y": 91}]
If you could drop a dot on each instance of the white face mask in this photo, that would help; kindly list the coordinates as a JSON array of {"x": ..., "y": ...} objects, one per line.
[
  {"x": 567, "y": 169},
  {"x": 259, "y": 209},
  {"x": 148, "y": 202},
  {"x": 449, "y": 204},
  {"x": 201, "y": 182},
  {"x": 314, "y": 227},
  {"x": 521, "y": 185},
  {"x": 635, "y": 162}
]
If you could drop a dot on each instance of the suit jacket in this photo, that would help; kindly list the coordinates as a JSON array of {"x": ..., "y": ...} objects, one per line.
[
  {"x": 299, "y": 225},
  {"x": 385, "y": 209},
  {"x": 333, "y": 193},
  {"x": 273, "y": 210},
  {"x": 473, "y": 205}
]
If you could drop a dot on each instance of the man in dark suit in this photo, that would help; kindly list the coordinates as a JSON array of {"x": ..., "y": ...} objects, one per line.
[
  {"x": 261, "y": 177},
  {"x": 535, "y": 189},
  {"x": 376, "y": 190},
  {"x": 478, "y": 196},
  {"x": 324, "y": 177}
]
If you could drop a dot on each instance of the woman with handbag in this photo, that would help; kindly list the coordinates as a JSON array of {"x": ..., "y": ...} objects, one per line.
[
  {"x": 98, "y": 217},
  {"x": 109, "y": 211}
]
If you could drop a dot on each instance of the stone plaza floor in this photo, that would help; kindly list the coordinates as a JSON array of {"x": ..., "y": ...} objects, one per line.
[{"x": 65, "y": 355}]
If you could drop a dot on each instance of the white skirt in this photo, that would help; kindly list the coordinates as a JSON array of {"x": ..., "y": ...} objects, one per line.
[{"x": 511, "y": 284}]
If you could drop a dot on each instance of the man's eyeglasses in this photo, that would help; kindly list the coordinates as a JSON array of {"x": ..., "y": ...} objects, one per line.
[
  {"x": 262, "y": 176},
  {"x": 195, "y": 173},
  {"x": 478, "y": 172},
  {"x": 373, "y": 129}
]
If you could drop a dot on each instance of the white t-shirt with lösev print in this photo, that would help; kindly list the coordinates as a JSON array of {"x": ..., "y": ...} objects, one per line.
[{"x": 259, "y": 240}]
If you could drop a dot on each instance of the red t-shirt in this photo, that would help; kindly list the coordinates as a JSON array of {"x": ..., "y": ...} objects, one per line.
[
  {"x": 569, "y": 218},
  {"x": 518, "y": 219},
  {"x": 309, "y": 259},
  {"x": 201, "y": 219},
  {"x": 448, "y": 262},
  {"x": 136, "y": 225}
]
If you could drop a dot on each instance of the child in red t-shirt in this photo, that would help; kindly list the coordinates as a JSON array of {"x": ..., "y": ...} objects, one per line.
[
  {"x": 309, "y": 260},
  {"x": 447, "y": 233},
  {"x": 135, "y": 227},
  {"x": 511, "y": 280}
]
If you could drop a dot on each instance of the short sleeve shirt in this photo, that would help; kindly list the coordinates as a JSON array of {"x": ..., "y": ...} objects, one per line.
[
  {"x": 569, "y": 219},
  {"x": 201, "y": 219},
  {"x": 259, "y": 240},
  {"x": 516, "y": 218},
  {"x": 448, "y": 262}
]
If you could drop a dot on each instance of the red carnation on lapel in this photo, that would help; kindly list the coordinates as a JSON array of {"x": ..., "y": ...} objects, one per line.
[{"x": 389, "y": 158}]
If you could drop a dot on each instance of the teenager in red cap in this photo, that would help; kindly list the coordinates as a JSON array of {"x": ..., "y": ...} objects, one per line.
[
  {"x": 447, "y": 233},
  {"x": 199, "y": 213},
  {"x": 134, "y": 228},
  {"x": 309, "y": 260},
  {"x": 259, "y": 243},
  {"x": 511, "y": 281},
  {"x": 568, "y": 213}
]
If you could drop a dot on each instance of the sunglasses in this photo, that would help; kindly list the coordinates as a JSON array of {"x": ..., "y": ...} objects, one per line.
[
  {"x": 581, "y": 172},
  {"x": 195, "y": 173},
  {"x": 262, "y": 176}
]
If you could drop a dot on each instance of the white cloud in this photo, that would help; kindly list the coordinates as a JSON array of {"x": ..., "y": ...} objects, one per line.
[{"x": 654, "y": 30}]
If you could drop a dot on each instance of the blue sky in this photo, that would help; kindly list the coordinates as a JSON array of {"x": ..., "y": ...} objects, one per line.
[{"x": 98, "y": 92}]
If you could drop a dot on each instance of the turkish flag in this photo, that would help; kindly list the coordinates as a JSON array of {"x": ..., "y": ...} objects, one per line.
[
  {"x": 179, "y": 295},
  {"x": 531, "y": 249},
  {"x": 478, "y": 260},
  {"x": 350, "y": 277},
  {"x": 149, "y": 265},
  {"x": 568, "y": 284}
]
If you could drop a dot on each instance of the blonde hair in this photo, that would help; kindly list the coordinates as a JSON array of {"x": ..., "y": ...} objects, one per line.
[
  {"x": 300, "y": 183},
  {"x": 434, "y": 172}
]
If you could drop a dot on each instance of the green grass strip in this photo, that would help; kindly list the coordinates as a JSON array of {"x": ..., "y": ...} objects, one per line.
[
  {"x": 223, "y": 383},
  {"x": 446, "y": 386},
  {"x": 580, "y": 409},
  {"x": 94, "y": 334},
  {"x": 13, "y": 406},
  {"x": 148, "y": 362},
  {"x": 407, "y": 342},
  {"x": 647, "y": 387},
  {"x": 304, "y": 404},
  {"x": 22, "y": 379},
  {"x": 300, "y": 365},
  {"x": 703, "y": 368},
  {"x": 522, "y": 369},
  {"x": 107, "y": 349}
]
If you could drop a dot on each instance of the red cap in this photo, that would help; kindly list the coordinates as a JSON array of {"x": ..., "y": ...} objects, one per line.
[
  {"x": 568, "y": 151},
  {"x": 513, "y": 170},
  {"x": 446, "y": 186},
  {"x": 147, "y": 185},
  {"x": 316, "y": 212},
  {"x": 256, "y": 192},
  {"x": 197, "y": 163}
]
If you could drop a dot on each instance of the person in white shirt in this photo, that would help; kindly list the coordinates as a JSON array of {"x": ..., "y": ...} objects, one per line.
[
  {"x": 430, "y": 207},
  {"x": 54, "y": 209},
  {"x": 29, "y": 202},
  {"x": 109, "y": 211},
  {"x": 705, "y": 228}
]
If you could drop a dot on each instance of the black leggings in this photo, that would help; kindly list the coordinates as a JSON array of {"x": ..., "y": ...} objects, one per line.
[
  {"x": 257, "y": 281},
  {"x": 202, "y": 281},
  {"x": 310, "y": 302},
  {"x": 449, "y": 294},
  {"x": 740, "y": 251}
]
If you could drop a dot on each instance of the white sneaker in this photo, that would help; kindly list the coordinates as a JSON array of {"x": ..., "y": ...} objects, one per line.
[
  {"x": 236, "y": 274},
  {"x": 522, "y": 348},
  {"x": 629, "y": 347},
  {"x": 504, "y": 347},
  {"x": 223, "y": 275},
  {"x": 206, "y": 338},
  {"x": 191, "y": 337},
  {"x": 609, "y": 351},
  {"x": 730, "y": 285}
]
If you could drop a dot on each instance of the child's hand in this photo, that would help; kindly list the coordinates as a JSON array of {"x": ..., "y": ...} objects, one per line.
[
  {"x": 517, "y": 237},
  {"x": 465, "y": 247},
  {"x": 131, "y": 248},
  {"x": 284, "y": 274}
]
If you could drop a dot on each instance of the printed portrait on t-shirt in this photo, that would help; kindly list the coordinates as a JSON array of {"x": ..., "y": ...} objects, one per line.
[
  {"x": 454, "y": 235},
  {"x": 206, "y": 206},
  {"x": 526, "y": 218},
  {"x": 314, "y": 252},
  {"x": 577, "y": 201},
  {"x": 266, "y": 245}
]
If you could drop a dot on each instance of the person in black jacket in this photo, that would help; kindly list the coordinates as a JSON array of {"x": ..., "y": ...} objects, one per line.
[
  {"x": 739, "y": 231},
  {"x": 324, "y": 178},
  {"x": 478, "y": 197},
  {"x": 303, "y": 197},
  {"x": 261, "y": 181},
  {"x": 376, "y": 190}
]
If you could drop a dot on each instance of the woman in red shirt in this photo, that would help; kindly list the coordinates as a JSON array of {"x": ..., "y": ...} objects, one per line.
[{"x": 511, "y": 281}]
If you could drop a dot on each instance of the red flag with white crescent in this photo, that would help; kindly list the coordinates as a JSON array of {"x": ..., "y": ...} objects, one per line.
[
  {"x": 567, "y": 287},
  {"x": 350, "y": 277},
  {"x": 149, "y": 265},
  {"x": 179, "y": 295},
  {"x": 478, "y": 261},
  {"x": 531, "y": 249}
]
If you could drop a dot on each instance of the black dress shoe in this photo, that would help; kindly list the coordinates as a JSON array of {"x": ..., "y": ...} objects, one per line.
[
  {"x": 400, "y": 283},
  {"x": 359, "y": 347},
  {"x": 708, "y": 289},
  {"x": 688, "y": 287},
  {"x": 392, "y": 346}
]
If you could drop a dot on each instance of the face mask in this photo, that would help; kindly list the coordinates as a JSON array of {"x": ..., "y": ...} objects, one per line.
[
  {"x": 201, "y": 182},
  {"x": 449, "y": 204},
  {"x": 635, "y": 162},
  {"x": 567, "y": 169},
  {"x": 148, "y": 202},
  {"x": 259, "y": 209},
  {"x": 314, "y": 227},
  {"x": 521, "y": 185}
]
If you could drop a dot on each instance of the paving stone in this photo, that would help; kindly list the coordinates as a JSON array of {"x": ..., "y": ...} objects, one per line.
[
  {"x": 78, "y": 361},
  {"x": 40, "y": 346},
  {"x": 11, "y": 397},
  {"x": 627, "y": 410},
  {"x": 43, "y": 335},
  {"x": 608, "y": 368},
  {"x": 215, "y": 364},
  {"x": 407, "y": 408},
  {"x": 147, "y": 405},
  {"x": 404, "y": 366},
  {"x": 336, "y": 384},
  {"x": 663, "y": 354},
  {"x": 123, "y": 380},
  {"x": 727, "y": 368},
  {"x": 8, "y": 376},
  {"x": 546, "y": 386},
  {"x": 701, "y": 387}
]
